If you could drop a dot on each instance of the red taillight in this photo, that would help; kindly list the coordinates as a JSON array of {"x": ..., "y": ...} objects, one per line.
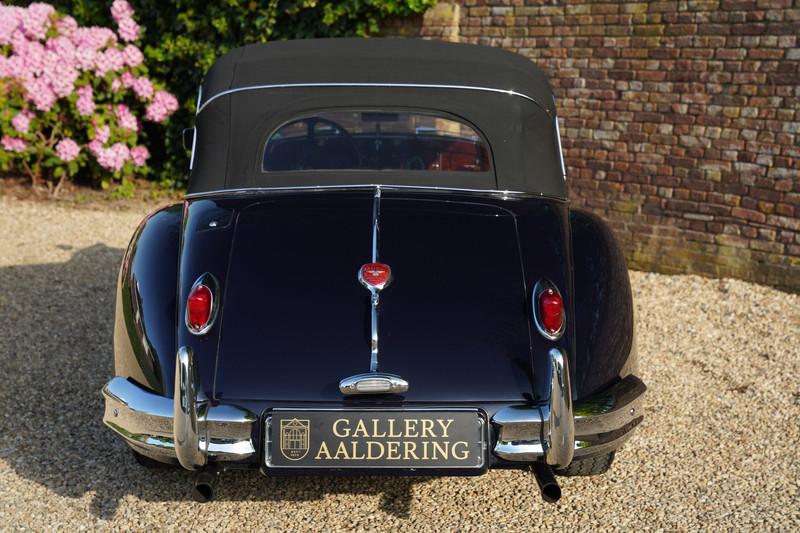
[
  {"x": 551, "y": 311},
  {"x": 198, "y": 307}
]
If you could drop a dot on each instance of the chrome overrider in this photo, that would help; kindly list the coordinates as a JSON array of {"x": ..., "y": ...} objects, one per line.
[
  {"x": 188, "y": 427},
  {"x": 559, "y": 431},
  {"x": 194, "y": 431}
]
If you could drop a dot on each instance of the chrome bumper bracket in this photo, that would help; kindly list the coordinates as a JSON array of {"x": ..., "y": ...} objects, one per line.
[
  {"x": 188, "y": 428},
  {"x": 600, "y": 424}
]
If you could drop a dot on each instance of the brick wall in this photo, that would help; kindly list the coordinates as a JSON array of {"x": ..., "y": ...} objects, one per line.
[{"x": 680, "y": 120}]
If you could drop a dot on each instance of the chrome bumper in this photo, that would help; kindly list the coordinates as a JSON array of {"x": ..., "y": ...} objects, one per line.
[
  {"x": 192, "y": 431},
  {"x": 594, "y": 426},
  {"x": 186, "y": 428}
]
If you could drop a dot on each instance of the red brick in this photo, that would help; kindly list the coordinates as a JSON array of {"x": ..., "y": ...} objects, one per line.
[{"x": 748, "y": 214}]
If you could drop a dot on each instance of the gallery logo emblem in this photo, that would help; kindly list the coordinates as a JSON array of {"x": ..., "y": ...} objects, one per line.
[{"x": 294, "y": 438}]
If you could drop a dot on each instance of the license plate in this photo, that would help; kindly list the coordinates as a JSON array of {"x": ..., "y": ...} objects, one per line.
[{"x": 408, "y": 439}]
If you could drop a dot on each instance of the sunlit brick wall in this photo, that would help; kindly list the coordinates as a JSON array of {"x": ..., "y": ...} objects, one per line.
[{"x": 680, "y": 120}]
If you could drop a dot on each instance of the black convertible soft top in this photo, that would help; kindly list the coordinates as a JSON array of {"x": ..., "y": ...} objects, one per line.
[{"x": 252, "y": 91}]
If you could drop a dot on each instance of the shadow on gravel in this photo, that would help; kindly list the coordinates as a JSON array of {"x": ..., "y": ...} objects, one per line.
[{"x": 56, "y": 354}]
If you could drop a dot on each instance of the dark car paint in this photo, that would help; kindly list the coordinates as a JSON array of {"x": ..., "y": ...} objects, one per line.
[
  {"x": 603, "y": 306},
  {"x": 144, "y": 329},
  {"x": 602, "y": 343},
  {"x": 296, "y": 321}
]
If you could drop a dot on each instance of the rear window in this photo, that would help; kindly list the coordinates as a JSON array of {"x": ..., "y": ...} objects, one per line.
[{"x": 376, "y": 140}]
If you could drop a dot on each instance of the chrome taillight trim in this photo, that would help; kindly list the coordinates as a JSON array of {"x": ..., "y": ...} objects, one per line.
[
  {"x": 209, "y": 281},
  {"x": 541, "y": 286}
]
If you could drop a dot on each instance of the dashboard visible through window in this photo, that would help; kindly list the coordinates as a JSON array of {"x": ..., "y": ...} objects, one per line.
[{"x": 376, "y": 140}]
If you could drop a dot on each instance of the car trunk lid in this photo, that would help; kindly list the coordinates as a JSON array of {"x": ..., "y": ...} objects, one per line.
[{"x": 453, "y": 322}]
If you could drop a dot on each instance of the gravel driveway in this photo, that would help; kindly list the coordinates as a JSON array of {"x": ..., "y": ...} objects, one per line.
[{"x": 718, "y": 448}]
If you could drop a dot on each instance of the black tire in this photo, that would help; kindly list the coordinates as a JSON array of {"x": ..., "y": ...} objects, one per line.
[
  {"x": 147, "y": 462},
  {"x": 590, "y": 466}
]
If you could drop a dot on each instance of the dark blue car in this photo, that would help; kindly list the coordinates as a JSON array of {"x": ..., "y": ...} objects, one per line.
[{"x": 375, "y": 270}]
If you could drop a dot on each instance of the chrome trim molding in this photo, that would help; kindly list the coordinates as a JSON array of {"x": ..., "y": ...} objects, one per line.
[
  {"x": 541, "y": 286},
  {"x": 370, "y": 85},
  {"x": 602, "y": 424},
  {"x": 376, "y": 215},
  {"x": 505, "y": 194},
  {"x": 209, "y": 281},
  {"x": 374, "y": 291},
  {"x": 148, "y": 423},
  {"x": 560, "y": 151},
  {"x": 373, "y": 382}
]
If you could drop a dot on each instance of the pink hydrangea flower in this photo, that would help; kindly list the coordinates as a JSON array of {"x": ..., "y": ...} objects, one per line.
[
  {"x": 162, "y": 106},
  {"x": 85, "y": 102},
  {"x": 127, "y": 29},
  {"x": 95, "y": 147},
  {"x": 66, "y": 26},
  {"x": 139, "y": 155},
  {"x": 110, "y": 60},
  {"x": 127, "y": 79},
  {"x": 67, "y": 150},
  {"x": 114, "y": 157},
  {"x": 102, "y": 134},
  {"x": 143, "y": 88},
  {"x": 13, "y": 144},
  {"x": 132, "y": 56},
  {"x": 33, "y": 57},
  {"x": 47, "y": 54},
  {"x": 40, "y": 94},
  {"x": 62, "y": 77},
  {"x": 85, "y": 57},
  {"x": 36, "y": 20},
  {"x": 10, "y": 19},
  {"x": 121, "y": 9},
  {"x": 62, "y": 47},
  {"x": 21, "y": 121},
  {"x": 93, "y": 37},
  {"x": 125, "y": 118}
]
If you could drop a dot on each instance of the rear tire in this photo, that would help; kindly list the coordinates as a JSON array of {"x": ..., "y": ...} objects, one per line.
[
  {"x": 590, "y": 466},
  {"x": 147, "y": 462}
]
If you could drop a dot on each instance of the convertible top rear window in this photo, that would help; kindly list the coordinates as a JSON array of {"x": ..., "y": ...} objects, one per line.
[{"x": 376, "y": 140}]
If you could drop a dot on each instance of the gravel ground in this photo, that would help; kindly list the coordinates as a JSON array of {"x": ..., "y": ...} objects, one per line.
[{"x": 717, "y": 449}]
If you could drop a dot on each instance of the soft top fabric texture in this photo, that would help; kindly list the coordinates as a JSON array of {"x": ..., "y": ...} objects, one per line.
[{"x": 232, "y": 127}]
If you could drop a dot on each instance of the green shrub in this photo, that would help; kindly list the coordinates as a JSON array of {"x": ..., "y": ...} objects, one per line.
[
  {"x": 181, "y": 40},
  {"x": 73, "y": 99}
]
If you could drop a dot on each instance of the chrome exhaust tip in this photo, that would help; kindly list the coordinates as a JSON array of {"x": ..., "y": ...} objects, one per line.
[
  {"x": 548, "y": 486},
  {"x": 205, "y": 485}
]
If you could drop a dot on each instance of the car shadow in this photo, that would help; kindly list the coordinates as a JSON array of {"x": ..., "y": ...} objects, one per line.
[{"x": 56, "y": 354}]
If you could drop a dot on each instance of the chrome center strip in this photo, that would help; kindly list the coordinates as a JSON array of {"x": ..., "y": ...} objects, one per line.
[
  {"x": 374, "y": 294},
  {"x": 508, "y": 92}
]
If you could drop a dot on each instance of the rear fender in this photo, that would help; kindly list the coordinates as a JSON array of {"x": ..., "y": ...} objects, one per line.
[
  {"x": 604, "y": 335},
  {"x": 144, "y": 324}
]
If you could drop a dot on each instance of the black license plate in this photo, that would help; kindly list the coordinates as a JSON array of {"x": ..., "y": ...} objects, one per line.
[{"x": 409, "y": 439}]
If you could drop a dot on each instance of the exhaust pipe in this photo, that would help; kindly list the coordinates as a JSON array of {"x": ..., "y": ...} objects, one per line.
[
  {"x": 548, "y": 485},
  {"x": 205, "y": 484}
]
